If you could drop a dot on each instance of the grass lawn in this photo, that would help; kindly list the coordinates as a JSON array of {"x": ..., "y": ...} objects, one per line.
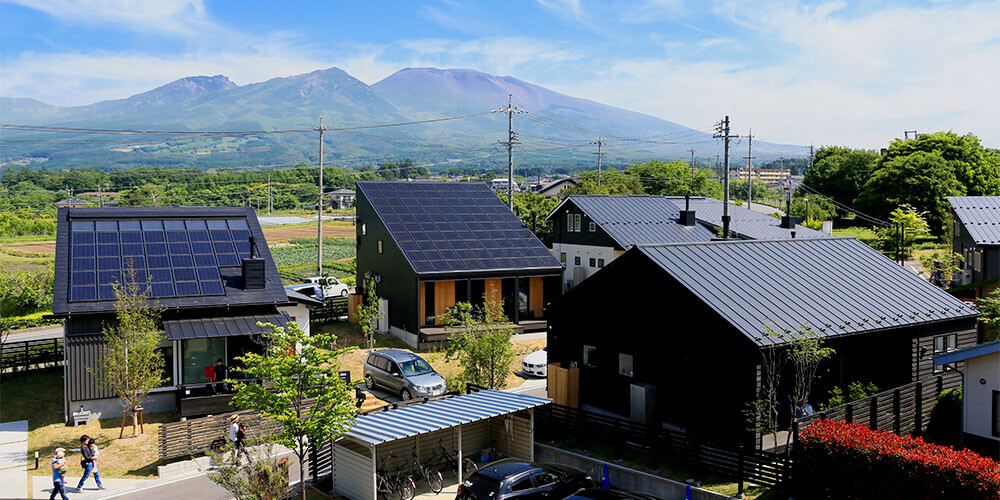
[
  {"x": 349, "y": 334},
  {"x": 38, "y": 398}
]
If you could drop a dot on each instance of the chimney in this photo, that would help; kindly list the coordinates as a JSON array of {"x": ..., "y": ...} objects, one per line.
[
  {"x": 787, "y": 221},
  {"x": 687, "y": 215},
  {"x": 253, "y": 270}
]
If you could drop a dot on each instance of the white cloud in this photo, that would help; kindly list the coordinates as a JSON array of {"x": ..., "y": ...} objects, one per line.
[
  {"x": 173, "y": 17},
  {"x": 493, "y": 54},
  {"x": 648, "y": 11}
]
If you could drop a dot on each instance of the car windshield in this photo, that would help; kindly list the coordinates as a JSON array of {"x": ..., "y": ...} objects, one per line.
[
  {"x": 483, "y": 487},
  {"x": 415, "y": 367}
]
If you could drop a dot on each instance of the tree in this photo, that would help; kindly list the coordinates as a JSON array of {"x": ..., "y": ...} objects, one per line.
[
  {"x": 369, "y": 312},
  {"x": 612, "y": 182},
  {"x": 675, "y": 178},
  {"x": 805, "y": 352},
  {"x": 910, "y": 222},
  {"x": 989, "y": 315},
  {"x": 922, "y": 180},
  {"x": 944, "y": 263},
  {"x": 532, "y": 209},
  {"x": 976, "y": 168},
  {"x": 261, "y": 477},
  {"x": 762, "y": 413},
  {"x": 300, "y": 388},
  {"x": 480, "y": 341},
  {"x": 841, "y": 172},
  {"x": 133, "y": 363}
]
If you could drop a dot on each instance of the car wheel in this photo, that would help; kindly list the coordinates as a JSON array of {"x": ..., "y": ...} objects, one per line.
[
  {"x": 343, "y": 293},
  {"x": 405, "y": 394},
  {"x": 369, "y": 382}
]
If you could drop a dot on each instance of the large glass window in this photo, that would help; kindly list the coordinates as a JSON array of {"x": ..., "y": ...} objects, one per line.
[
  {"x": 166, "y": 348},
  {"x": 523, "y": 294},
  {"x": 589, "y": 355},
  {"x": 943, "y": 344},
  {"x": 198, "y": 354}
]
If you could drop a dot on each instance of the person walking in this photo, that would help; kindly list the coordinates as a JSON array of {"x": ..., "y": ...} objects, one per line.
[
  {"x": 59, "y": 470},
  {"x": 241, "y": 445},
  {"x": 96, "y": 456},
  {"x": 234, "y": 427},
  {"x": 88, "y": 464}
]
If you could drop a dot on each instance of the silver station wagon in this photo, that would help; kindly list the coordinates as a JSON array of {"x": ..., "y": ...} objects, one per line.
[{"x": 404, "y": 373}]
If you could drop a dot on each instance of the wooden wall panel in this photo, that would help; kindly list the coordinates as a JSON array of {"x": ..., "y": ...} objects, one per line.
[
  {"x": 421, "y": 305},
  {"x": 444, "y": 297},
  {"x": 494, "y": 290},
  {"x": 536, "y": 296}
]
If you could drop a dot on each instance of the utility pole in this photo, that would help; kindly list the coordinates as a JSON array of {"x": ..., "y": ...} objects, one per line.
[
  {"x": 811, "y": 157},
  {"x": 510, "y": 109},
  {"x": 600, "y": 144},
  {"x": 100, "y": 195},
  {"x": 319, "y": 216},
  {"x": 269, "y": 199},
  {"x": 722, "y": 132},
  {"x": 749, "y": 158},
  {"x": 692, "y": 159}
]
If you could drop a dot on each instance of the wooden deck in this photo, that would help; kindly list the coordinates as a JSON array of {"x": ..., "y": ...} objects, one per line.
[{"x": 440, "y": 333}]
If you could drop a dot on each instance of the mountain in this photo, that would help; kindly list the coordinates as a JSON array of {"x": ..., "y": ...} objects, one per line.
[{"x": 556, "y": 128}]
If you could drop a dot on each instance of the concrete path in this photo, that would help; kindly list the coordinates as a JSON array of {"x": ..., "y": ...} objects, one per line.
[
  {"x": 39, "y": 333},
  {"x": 41, "y": 486},
  {"x": 14, "y": 459},
  {"x": 532, "y": 387}
]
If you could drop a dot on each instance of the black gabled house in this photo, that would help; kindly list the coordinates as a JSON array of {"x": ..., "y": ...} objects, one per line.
[
  {"x": 744, "y": 223},
  {"x": 977, "y": 240},
  {"x": 590, "y": 231},
  {"x": 430, "y": 245},
  {"x": 210, "y": 270},
  {"x": 686, "y": 323}
]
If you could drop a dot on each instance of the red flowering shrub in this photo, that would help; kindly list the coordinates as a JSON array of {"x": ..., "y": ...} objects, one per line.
[{"x": 842, "y": 460}]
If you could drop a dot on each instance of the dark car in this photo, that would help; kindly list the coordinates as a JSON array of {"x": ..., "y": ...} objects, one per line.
[
  {"x": 608, "y": 494},
  {"x": 523, "y": 481}
]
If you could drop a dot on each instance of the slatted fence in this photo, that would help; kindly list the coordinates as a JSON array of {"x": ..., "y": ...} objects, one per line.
[
  {"x": 333, "y": 309},
  {"x": 903, "y": 410},
  {"x": 31, "y": 355}
]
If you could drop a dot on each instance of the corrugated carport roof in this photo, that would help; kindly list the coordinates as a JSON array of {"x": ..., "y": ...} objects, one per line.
[
  {"x": 221, "y": 326},
  {"x": 390, "y": 425}
]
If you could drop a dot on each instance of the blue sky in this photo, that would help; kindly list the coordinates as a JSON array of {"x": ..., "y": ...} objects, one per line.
[{"x": 856, "y": 73}]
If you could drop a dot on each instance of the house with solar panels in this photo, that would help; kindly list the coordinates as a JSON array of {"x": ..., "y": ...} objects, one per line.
[
  {"x": 590, "y": 231},
  {"x": 208, "y": 268},
  {"x": 430, "y": 245},
  {"x": 690, "y": 321},
  {"x": 977, "y": 239}
]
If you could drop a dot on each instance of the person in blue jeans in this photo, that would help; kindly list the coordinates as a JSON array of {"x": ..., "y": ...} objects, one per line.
[
  {"x": 59, "y": 470},
  {"x": 88, "y": 463}
]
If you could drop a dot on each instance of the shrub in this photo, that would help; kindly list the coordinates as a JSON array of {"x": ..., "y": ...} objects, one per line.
[
  {"x": 852, "y": 461},
  {"x": 32, "y": 320},
  {"x": 946, "y": 418}
]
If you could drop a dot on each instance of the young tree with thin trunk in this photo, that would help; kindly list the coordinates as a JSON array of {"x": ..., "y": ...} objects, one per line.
[
  {"x": 762, "y": 413},
  {"x": 805, "y": 352},
  {"x": 132, "y": 363},
  {"x": 480, "y": 341},
  {"x": 300, "y": 389},
  {"x": 368, "y": 311}
]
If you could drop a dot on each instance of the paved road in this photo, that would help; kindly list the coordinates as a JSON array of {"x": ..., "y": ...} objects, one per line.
[
  {"x": 50, "y": 332},
  {"x": 14, "y": 459}
]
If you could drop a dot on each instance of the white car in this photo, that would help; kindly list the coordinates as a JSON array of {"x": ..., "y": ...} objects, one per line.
[
  {"x": 536, "y": 363},
  {"x": 330, "y": 286}
]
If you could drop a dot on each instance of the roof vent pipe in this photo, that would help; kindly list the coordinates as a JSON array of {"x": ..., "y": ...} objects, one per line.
[
  {"x": 253, "y": 270},
  {"x": 687, "y": 215}
]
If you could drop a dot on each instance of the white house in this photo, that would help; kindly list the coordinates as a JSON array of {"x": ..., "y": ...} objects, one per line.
[{"x": 980, "y": 396}]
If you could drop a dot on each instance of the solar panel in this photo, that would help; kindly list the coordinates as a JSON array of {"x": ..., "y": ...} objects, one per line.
[{"x": 166, "y": 252}]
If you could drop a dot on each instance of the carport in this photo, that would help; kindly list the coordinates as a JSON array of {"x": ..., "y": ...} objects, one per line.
[{"x": 464, "y": 425}]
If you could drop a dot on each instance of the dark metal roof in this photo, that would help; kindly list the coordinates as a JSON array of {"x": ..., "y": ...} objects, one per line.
[
  {"x": 980, "y": 215},
  {"x": 222, "y": 326},
  {"x": 72, "y": 271},
  {"x": 637, "y": 219},
  {"x": 836, "y": 286},
  {"x": 449, "y": 227},
  {"x": 744, "y": 222},
  {"x": 421, "y": 418},
  {"x": 302, "y": 298}
]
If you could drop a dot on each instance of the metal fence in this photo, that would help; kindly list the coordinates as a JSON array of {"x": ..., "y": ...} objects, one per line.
[{"x": 31, "y": 355}]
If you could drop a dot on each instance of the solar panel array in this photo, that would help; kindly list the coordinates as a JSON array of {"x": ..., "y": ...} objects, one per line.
[
  {"x": 455, "y": 226},
  {"x": 178, "y": 258}
]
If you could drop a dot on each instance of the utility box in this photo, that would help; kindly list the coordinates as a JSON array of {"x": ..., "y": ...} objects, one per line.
[{"x": 643, "y": 403}]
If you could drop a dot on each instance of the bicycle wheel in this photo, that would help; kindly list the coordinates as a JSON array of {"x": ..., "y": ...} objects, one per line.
[
  {"x": 434, "y": 480},
  {"x": 468, "y": 468},
  {"x": 406, "y": 487}
]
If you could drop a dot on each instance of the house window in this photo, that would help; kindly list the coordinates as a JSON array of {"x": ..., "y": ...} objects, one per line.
[
  {"x": 600, "y": 262},
  {"x": 569, "y": 222},
  {"x": 199, "y": 356},
  {"x": 576, "y": 222},
  {"x": 364, "y": 229},
  {"x": 589, "y": 356},
  {"x": 593, "y": 262},
  {"x": 942, "y": 344},
  {"x": 977, "y": 259},
  {"x": 379, "y": 246},
  {"x": 996, "y": 413},
  {"x": 593, "y": 226},
  {"x": 576, "y": 260},
  {"x": 562, "y": 257},
  {"x": 625, "y": 364}
]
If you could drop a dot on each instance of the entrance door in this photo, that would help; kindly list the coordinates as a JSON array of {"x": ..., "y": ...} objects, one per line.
[{"x": 383, "y": 321}]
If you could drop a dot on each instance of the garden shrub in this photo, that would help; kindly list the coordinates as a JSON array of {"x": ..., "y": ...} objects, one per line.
[
  {"x": 847, "y": 460},
  {"x": 946, "y": 419},
  {"x": 32, "y": 320}
]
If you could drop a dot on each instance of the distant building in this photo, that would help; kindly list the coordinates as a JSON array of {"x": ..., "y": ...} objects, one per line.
[
  {"x": 980, "y": 396},
  {"x": 341, "y": 198},
  {"x": 555, "y": 188},
  {"x": 977, "y": 239},
  {"x": 768, "y": 175},
  {"x": 500, "y": 185}
]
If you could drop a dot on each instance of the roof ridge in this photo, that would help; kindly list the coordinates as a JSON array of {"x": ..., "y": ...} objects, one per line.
[{"x": 739, "y": 241}]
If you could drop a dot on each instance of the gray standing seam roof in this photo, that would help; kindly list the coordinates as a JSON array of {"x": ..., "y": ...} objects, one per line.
[
  {"x": 980, "y": 215},
  {"x": 399, "y": 423},
  {"x": 221, "y": 326},
  {"x": 637, "y": 219},
  {"x": 836, "y": 286},
  {"x": 744, "y": 222}
]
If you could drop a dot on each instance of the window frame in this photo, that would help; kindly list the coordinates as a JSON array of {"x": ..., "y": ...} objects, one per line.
[
  {"x": 380, "y": 247},
  {"x": 949, "y": 342},
  {"x": 576, "y": 260},
  {"x": 562, "y": 257},
  {"x": 631, "y": 364},
  {"x": 592, "y": 226},
  {"x": 589, "y": 352},
  {"x": 600, "y": 263},
  {"x": 576, "y": 222},
  {"x": 593, "y": 262},
  {"x": 569, "y": 221}
]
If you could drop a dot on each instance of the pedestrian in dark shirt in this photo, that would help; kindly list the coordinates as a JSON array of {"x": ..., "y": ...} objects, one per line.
[
  {"x": 241, "y": 445},
  {"x": 88, "y": 464},
  {"x": 220, "y": 377}
]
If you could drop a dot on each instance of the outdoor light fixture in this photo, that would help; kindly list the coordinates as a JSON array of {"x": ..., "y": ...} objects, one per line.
[{"x": 982, "y": 381}]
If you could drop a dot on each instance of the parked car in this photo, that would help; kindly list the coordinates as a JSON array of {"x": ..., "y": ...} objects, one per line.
[
  {"x": 523, "y": 481},
  {"x": 536, "y": 363},
  {"x": 609, "y": 494},
  {"x": 332, "y": 287},
  {"x": 404, "y": 373}
]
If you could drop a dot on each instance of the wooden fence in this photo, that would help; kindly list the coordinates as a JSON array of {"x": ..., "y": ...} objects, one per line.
[
  {"x": 333, "y": 309},
  {"x": 31, "y": 355},
  {"x": 560, "y": 423},
  {"x": 903, "y": 410}
]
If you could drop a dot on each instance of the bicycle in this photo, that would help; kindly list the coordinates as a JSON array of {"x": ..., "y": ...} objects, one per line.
[
  {"x": 430, "y": 474},
  {"x": 397, "y": 485},
  {"x": 448, "y": 460}
]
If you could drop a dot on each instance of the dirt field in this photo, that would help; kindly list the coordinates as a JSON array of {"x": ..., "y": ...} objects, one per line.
[
  {"x": 39, "y": 247},
  {"x": 331, "y": 229}
]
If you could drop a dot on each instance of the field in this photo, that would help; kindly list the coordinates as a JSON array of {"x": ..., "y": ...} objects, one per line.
[
  {"x": 337, "y": 229},
  {"x": 303, "y": 251}
]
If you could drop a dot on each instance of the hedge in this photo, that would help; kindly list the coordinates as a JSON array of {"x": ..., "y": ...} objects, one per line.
[
  {"x": 846, "y": 460},
  {"x": 29, "y": 321}
]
